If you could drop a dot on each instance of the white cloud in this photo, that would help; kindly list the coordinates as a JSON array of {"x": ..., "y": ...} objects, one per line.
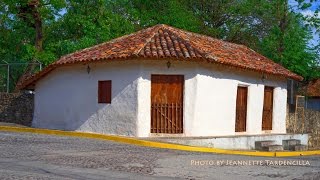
[{"x": 309, "y": 13}]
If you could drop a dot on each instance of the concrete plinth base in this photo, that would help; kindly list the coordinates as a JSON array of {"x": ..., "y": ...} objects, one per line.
[{"x": 240, "y": 142}]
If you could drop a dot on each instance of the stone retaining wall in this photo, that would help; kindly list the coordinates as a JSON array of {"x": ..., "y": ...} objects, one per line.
[
  {"x": 16, "y": 108},
  {"x": 305, "y": 121}
]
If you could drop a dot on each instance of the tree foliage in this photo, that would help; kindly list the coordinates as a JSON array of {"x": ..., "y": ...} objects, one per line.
[{"x": 44, "y": 30}]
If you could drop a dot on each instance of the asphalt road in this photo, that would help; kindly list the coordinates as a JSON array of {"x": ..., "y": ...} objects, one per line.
[{"x": 32, "y": 156}]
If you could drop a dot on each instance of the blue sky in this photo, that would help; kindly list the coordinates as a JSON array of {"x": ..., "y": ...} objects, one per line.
[
  {"x": 315, "y": 5},
  {"x": 309, "y": 12}
]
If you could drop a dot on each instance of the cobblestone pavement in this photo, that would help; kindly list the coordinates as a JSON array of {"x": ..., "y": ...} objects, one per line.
[{"x": 32, "y": 156}]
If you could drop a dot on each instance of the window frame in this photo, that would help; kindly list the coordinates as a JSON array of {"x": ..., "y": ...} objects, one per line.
[{"x": 104, "y": 97}]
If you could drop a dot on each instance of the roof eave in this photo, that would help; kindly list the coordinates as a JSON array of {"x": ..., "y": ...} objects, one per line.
[{"x": 29, "y": 84}]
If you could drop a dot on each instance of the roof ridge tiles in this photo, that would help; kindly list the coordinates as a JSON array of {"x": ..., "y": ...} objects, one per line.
[{"x": 157, "y": 27}]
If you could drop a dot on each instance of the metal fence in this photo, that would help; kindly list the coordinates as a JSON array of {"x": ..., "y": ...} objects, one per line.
[{"x": 10, "y": 72}]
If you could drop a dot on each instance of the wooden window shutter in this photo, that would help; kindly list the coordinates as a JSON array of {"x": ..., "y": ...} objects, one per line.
[
  {"x": 267, "y": 108},
  {"x": 241, "y": 109},
  {"x": 104, "y": 92}
]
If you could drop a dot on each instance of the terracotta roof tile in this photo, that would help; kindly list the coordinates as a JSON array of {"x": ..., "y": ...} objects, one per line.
[
  {"x": 162, "y": 41},
  {"x": 313, "y": 88}
]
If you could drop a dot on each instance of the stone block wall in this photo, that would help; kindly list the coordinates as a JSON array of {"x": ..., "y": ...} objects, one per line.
[
  {"x": 305, "y": 121},
  {"x": 16, "y": 108}
]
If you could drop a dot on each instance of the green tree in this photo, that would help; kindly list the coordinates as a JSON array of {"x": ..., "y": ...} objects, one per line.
[
  {"x": 145, "y": 13},
  {"x": 22, "y": 28},
  {"x": 86, "y": 23},
  {"x": 287, "y": 42},
  {"x": 245, "y": 22},
  {"x": 290, "y": 48}
]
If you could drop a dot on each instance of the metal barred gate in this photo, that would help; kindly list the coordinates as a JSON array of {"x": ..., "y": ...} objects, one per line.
[{"x": 167, "y": 104}]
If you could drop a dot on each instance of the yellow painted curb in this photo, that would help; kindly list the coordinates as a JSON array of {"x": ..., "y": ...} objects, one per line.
[{"x": 153, "y": 144}]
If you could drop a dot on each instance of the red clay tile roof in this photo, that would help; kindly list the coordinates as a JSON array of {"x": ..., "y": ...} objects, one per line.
[
  {"x": 313, "y": 88},
  {"x": 165, "y": 42}
]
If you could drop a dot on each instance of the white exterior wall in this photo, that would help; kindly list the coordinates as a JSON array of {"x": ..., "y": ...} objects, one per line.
[
  {"x": 210, "y": 99},
  {"x": 67, "y": 99}
]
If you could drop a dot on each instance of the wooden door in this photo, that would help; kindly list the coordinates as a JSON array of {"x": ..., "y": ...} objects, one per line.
[
  {"x": 267, "y": 108},
  {"x": 167, "y": 104},
  {"x": 241, "y": 109}
]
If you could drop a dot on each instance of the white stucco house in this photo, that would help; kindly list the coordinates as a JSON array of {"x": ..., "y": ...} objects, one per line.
[{"x": 163, "y": 81}]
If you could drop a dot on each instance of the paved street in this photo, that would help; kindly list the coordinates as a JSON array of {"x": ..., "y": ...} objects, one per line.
[{"x": 32, "y": 156}]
